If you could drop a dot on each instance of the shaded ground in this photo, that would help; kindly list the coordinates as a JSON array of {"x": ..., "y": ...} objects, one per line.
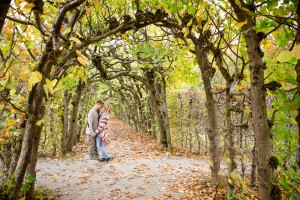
[{"x": 139, "y": 170}]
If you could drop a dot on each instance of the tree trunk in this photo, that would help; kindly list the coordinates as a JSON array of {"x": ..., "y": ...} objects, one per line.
[
  {"x": 212, "y": 129},
  {"x": 199, "y": 132},
  {"x": 231, "y": 143},
  {"x": 258, "y": 102},
  {"x": 162, "y": 112},
  {"x": 229, "y": 126},
  {"x": 72, "y": 132},
  {"x": 297, "y": 69},
  {"x": 152, "y": 122},
  {"x": 66, "y": 102},
  {"x": 35, "y": 110},
  {"x": 15, "y": 156},
  {"x": 32, "y": 164},
  {"x": 181, "y": 124},
  {"x": 158, "y": 96},
  {"x": 253, "y": 168},
  {"x": 150, "y": 119},
  {"x": 190, "y": 122},
  {"x": 259, "y": 113},
  {"x": 240, "y": 142},
  {"x": 83, "y": 113},
  {"x": 142, "y": 117},
  {"x": 3, "y": 12},
  {"x": 242, "y": 152}
]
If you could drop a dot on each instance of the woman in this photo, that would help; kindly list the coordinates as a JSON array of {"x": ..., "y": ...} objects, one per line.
[{"x": 102, "y": 132}]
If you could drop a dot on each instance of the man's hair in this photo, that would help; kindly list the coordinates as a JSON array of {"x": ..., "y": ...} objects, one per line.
[{"x": 99, "y": 102}]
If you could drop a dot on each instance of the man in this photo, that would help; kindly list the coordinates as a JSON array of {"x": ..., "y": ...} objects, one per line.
[{"x": 93, "y": 121}]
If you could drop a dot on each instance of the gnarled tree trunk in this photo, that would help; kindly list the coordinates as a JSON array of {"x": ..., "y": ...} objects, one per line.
[
  {"x": 3, "y": 12},
  {"x": 258, "y": 101},
  {"x": 35, "y": 109},
  {"x": 297, "y": 68},
  {"x": 72, "y": 131},
  {"x": 66, "y": 102},
  {"x": 212, "y": 129},
  {"x": 32, "y": 164},
  {"x": 158, "y": 95}
]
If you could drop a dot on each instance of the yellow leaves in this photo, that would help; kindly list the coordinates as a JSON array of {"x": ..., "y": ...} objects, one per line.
[
  {"x": 296, "y": 51},
  {"x": 241, "y": 24},
  {"x": 9, "y": 25},
  {"x": 22, "y": 100},
  {"x": 79, "y": 53},
  {"x": 50, "y": 86},
  {"x": 54, "y": 82},
  {"x": 39, "y": 123},
  {"x": 5, "y": 134},
  {"x": 186, "y": 31},
  {"x": 10, "y": 122},
  {"x": 242, "y": 87},
  {"x": 82, "y": 59},
  {"x": 18, "y": 2},
  {"x": 23, "y": 77},
  {"x": 198, "y": 18},
  {"x": 24, "y": 73},
  {"x": 26, "y": 7},
  {"x": 34, "y": 78},
  {"x": 88, "y": 10},
  {"x": 190, "y": 23},
  {"x": 75, "y": 40},
  {"x": 218, "y": 87},
  {"x": 78, "y": 34},
  {"x": 53, "y": 179},
  {"x": 19, "y": 11},
  {"x": 68, "y": 30},
  {"x": 29, "y": 5},
  {"x": 8, "y": 30},
  {"x": 285, "y": 56},
  {"x": 238, "y": 3}
]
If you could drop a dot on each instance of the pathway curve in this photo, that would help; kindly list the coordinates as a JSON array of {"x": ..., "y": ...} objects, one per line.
[{"x": 139, "y": 169}]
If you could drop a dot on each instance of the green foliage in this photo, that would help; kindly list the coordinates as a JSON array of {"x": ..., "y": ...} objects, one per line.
[{"x": 29, "y": 179}]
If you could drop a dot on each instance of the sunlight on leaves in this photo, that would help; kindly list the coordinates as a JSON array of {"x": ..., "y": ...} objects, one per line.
[{"x": 34, "y": 78}]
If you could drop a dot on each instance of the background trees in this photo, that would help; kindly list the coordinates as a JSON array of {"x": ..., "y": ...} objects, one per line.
[{"x": 195, "y": 75}]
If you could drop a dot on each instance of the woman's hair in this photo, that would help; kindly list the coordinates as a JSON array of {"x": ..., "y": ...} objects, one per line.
[{"x": 106, "y": 108}]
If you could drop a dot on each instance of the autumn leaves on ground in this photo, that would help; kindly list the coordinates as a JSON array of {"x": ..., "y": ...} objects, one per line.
[{"x": 140, "y": 169}]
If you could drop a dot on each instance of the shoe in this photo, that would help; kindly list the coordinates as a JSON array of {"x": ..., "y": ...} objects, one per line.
[{"x": 102, "y": 160}]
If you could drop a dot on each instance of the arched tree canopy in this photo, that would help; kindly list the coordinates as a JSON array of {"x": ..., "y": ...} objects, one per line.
[{"x": 218, "y": 78}]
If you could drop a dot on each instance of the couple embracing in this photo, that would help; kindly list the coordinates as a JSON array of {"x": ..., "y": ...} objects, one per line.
[{"x": 97, "y": 131}]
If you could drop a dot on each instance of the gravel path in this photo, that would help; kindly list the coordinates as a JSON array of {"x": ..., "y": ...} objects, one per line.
[{"x": 139, "y": 169}]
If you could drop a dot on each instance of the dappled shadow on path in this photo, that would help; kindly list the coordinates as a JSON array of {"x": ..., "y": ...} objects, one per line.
[{"x": 139, "y": 169}]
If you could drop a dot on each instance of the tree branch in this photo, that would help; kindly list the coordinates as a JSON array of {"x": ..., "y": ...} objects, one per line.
[
  {"x": 58, "y": 22},
  {"x": 20, "y": 21},
  {"x": 12, "y": 105}
]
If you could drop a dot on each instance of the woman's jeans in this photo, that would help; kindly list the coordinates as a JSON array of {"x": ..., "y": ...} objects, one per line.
[{"x": 101, "y": 147}]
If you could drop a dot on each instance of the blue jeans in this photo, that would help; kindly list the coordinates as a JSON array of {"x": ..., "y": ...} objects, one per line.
[{"x": 101, "y": 147}]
